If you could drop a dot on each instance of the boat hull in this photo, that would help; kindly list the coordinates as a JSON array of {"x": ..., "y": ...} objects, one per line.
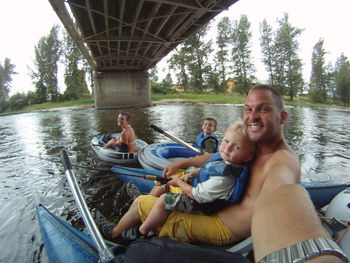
[
  {"x": 112, "y": 156},
  {"x": 64, "y": 243},
  {"x": 339, "y": 208}
]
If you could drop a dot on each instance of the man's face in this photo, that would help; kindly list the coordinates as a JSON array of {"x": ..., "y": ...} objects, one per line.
[{"x": 261, "y": 116}]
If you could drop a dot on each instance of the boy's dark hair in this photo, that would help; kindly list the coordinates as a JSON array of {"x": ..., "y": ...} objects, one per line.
[{"x": 211, "y": 119}]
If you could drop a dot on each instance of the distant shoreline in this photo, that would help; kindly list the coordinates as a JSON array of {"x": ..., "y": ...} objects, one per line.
[{"x": 162, "y": 101}]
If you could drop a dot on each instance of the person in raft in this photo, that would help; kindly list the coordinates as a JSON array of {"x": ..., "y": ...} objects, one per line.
[
  {"x": 218, "y": 183},
  {"x": 206, "y": 139},
  {"x": 126, "y": 141}
]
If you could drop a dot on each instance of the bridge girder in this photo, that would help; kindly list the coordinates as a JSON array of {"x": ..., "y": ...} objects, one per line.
[{"x": 133, "y": 35}]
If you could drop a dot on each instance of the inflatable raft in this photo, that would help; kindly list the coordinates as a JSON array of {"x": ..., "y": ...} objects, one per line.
[
  {"x": 156, "y": 156},
  {"x": 111, "y": 155}
]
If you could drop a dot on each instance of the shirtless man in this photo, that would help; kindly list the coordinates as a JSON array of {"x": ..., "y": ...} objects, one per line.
[{"x": 274, "y": 165}]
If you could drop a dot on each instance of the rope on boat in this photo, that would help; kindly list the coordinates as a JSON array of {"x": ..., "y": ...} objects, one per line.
[{"x": 344, "y": 231}]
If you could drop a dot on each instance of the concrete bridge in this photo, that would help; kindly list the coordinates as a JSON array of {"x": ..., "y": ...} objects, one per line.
[{"x": 122, "y": 39}]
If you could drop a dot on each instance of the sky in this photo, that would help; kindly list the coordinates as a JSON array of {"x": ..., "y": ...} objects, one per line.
[{"x": 23, "y": 23}]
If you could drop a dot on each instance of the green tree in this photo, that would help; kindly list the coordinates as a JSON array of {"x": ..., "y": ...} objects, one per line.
[
  {"x": 342, "y": 79},
  {"x": 267, "y": 49},
  {"x": 330, "y": 81},
  {"x": 47, "y": 55},
  {"x": 6, "y": 72},
  {"x": 178, "y": 62},
  {"x": 287, "y": 64},
  {"x": 197, "y": 51},
  {"x": 153, "y": 80},
  {"x": 222, "y": 55},
  {"x": 213, "y": 80},
  {"x": 74, "y": 76},
  {"x": 18, "y": 101},
  {"x": 168, "y": 81},
  {"x": 318, "y": 73},
  {"x": 243, "y": 67}
]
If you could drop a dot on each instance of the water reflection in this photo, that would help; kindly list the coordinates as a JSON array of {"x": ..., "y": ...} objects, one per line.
[{"x": 318, "y": 136}]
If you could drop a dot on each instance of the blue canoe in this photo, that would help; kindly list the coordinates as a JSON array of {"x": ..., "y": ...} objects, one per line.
[
  {"x": 64, "y": 243},
  {"x": 321, "y": 193}
]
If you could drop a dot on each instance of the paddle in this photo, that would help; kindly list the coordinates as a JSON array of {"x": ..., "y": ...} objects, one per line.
[
  {"x": 187, "y": 145},
  {"x": 104, "y": 252},
  {"x": 141, "y": 173}
]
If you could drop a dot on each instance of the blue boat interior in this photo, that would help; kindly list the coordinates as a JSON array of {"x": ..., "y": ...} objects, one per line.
[{"x": 173, "y": 152}]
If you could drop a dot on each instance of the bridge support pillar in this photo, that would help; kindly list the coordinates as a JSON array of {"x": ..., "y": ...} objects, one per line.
[{"x": 121, "y": 89}]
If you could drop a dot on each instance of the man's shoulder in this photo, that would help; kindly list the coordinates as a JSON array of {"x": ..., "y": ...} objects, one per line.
[{"x": 285, "y": 153}]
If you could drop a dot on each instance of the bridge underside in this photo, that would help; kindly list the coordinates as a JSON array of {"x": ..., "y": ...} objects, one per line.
[{"x": 131, "y": 36}]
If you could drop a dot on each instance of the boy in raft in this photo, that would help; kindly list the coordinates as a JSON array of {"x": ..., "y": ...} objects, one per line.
[
  {"x": 206, "y": 139},
  {"x": 218, "y": 183}
]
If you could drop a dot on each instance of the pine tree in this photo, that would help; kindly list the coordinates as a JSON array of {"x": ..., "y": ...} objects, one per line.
[
  {"x": 74, "y": 76},
  {"x": 243, "y": 68},
  {"x": 222, "y": 55},
  {"x": 287, "y": 64},
  {"x": 6, "y": 72},
  {"x": 342, "y": 79},
  {"x": 318, "y": 73},
  {"x": 268, "y": 49},
  {"x": 197, "y": 52}
]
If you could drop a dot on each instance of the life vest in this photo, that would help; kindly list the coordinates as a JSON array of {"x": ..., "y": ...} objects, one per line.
[
  {"x": 214, "y": 166},
  {"x": 201, "y": 139}
]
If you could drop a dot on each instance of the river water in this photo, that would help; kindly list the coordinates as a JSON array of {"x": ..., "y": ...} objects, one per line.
[{"x": 319, "y": 136}]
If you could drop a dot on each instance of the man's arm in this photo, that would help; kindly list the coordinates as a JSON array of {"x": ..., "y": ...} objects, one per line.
[{"x": 284, "y": 217}]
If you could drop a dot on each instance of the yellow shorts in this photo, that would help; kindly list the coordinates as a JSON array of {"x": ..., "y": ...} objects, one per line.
[{"x": 190, "y": 228}]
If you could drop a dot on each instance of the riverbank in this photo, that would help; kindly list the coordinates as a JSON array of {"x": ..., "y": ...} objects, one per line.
[{"x": 166, "y": 99}]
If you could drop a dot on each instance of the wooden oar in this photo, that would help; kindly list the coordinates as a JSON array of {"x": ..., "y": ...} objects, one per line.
[
  {"x": 104, "y": 252},
  {"x": 187, "y": 145}
]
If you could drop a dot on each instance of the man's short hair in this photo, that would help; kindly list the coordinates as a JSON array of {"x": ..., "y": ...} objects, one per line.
[{"x": 277, "y": 95}]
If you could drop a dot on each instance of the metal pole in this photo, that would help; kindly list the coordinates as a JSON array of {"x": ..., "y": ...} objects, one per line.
[
  {"x": 187, "y": 145},
  {"x": 104, "y": 252}
]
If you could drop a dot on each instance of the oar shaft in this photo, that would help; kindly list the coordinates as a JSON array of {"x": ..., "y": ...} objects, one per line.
[
  {"x": 104, "y": 252},
  {"x": 162, "y": 180},
  {"x": 187, "y": 145},
  {"x": 140, "y": 174}
]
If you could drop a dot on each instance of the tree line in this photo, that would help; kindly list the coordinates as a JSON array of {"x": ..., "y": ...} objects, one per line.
[
  {"x": 48, "y": 53},
  {"x": 199, "y": 64}
]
